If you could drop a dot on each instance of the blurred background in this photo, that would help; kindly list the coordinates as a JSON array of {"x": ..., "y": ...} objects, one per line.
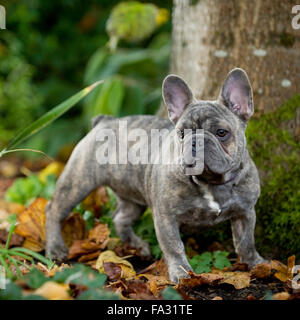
[{"x": 52, "y": 49}]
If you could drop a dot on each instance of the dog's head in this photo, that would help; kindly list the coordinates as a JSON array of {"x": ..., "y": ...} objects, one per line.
[{"x": 223, "y": 123}]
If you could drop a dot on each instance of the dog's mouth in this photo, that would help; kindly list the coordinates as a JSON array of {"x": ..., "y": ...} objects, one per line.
[{"x": 211, "y": 177}]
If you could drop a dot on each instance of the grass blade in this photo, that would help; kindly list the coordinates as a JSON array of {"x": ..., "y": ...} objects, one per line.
[
  {"x": 14, "y": 262},
  {"x": 6, "y": 267},
  {"x": 49, "y": 117},
  {"x": 33, "y": 254}
]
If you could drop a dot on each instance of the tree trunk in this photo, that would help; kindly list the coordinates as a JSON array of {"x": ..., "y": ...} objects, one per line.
[{"x": 210, "y": 37}]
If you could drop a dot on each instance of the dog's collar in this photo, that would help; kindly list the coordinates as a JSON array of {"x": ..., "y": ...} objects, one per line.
[{"x": 197, "y": 178}]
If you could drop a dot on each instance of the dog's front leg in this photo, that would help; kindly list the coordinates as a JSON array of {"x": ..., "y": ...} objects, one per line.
[
  {"x": 168, "y": 236},
  {"x": 243, "y": 238}
]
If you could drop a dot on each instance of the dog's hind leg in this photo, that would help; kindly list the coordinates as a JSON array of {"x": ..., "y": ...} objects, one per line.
[
  {"x": 124, "y": 217},
  {"x": 74, "y": 184}
]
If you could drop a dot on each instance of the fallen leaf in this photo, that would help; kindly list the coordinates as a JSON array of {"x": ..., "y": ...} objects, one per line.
[
  {"x": 113, "y": 243},
  {"x": 83, "y": 247},
  {"x": 158, "y": 268},
  {"x": 200, "y": 279},
  {"x": 238, "y": 279},
  {"x": 156, "y": 283},
  {"x": 283, "y": 272},
  {"x": 95, "y": 200},
  {"x": 31, "y": 225},
  {"x": 15, "y": 240},
  {"x": 99, "y": 233},
  {"x": 238, "y": 266},
  {"x": 112, "y": 270},
  {"x": 217, "y": 298},
  {"x": 110, "y": 256},
  {"x": 73, "y": 228},
  {"x": 281, "y": 296},
  {"x": 7, "y": 209},
  {"x": 89, "y": 256},
  {"x": 54, "y": 291},
  {"x": 262, "y": 270}
]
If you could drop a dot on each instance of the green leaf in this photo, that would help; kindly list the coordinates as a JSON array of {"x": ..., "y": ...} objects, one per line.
[
  {"x": 49, "y": 187},
  {"x": 89, "y": 218},
  {"x": 110, "y": 97},
  {"x": 24, "y": 190},
  {"x": 220, "y": 260},
  {"x": 81, "y": 274},
  {"x": 171, "y": 294},
  {"x": 48, "y": 117},
  {"x": 11, "y": 292},
  {"x": 35, "y": 278},
  {"x": 201, "y": 263},
  {"x": 98, "y": 294}
]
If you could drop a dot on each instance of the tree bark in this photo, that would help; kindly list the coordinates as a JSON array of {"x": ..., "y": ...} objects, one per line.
[{"x": 210, "y": 37}]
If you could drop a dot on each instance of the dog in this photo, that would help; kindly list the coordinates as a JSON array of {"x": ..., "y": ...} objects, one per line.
[{"x": 222, "y": 185}]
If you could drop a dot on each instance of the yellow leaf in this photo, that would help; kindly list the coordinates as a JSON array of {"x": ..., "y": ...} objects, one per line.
[
  {"x": 281, "y": 296},
  {"x": 31, "y": 225},
  {"x": 55, "y": 168},
  {"x": 238, "y": 279},
  {"x": 54, "y": 291},
  {"x": 110, "y": 256}
]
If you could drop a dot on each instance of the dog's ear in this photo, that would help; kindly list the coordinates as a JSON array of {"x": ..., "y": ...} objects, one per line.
[
  {"x": 237, "y": 95},
  {"x": 177, "y": 96}
]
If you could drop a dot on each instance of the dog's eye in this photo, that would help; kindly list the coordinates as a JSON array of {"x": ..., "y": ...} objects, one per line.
[
  {"x": 181, "y": 134},
  {"x": 223, "y": 134}
]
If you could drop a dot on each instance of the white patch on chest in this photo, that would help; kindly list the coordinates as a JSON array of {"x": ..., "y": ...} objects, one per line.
[{"x": 213, "y": 205}]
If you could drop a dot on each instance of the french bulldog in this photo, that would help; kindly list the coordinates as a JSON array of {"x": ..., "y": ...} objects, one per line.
[{"x": 224, "y": 186}]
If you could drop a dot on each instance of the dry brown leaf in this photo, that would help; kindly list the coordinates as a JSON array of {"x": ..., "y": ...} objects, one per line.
[
  {"x": 83, "y": 247},
  {"x": 95, "y": 200},
  {"x": 15, "y": 240},
  {"x": 156, "y": 283},
  {"x": 217, "y": 298},
  {"x": 283, "y": 272},
  {"x": 112, "y": 270},
  {"x": 281, "y": 296},
  {"x": 6, "y": 209},
  {"x": 73, "y": 228},
  {"x": 89, "y": 256},
  {"x": 31, "y": 225},
  {"x": 158, "y": 268},
  {"x": 238, "y": 266},
  {"x": 54, "y": 291},
  {"x": 99, "y": 233},
  {"x": 238, "y": 279},
  {"x": 262, "y": 270},
  {"x": 199, "y": 279},
  {"x": 127, "y": 270}
]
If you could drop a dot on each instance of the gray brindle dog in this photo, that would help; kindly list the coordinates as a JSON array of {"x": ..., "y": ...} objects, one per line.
[{"x": 226, "y": 187}]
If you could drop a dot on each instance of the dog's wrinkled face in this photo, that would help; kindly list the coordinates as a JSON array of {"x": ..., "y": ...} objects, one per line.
[{"x": 223, "y": 122}]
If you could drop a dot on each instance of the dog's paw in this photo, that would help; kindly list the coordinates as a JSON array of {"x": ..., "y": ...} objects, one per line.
[
  {"x": 57, "y": 252},
  {"x": 178, "y": 271}
]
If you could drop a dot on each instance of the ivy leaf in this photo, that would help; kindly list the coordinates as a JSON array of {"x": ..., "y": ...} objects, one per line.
[
  {"x": 220, "y": 260},
  {"x": 35, "y": 278},
  {"x": 98, "y": 294},
  {"x": 171, "y": 294},
  {"x": 201, "y": 263}
]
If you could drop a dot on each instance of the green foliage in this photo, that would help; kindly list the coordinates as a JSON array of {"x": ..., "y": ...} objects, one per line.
[
  {"x": 203, "y": 263},
  {"x": 35, "y": 278},
  {"x": 171, "y": 294},
  {"x": 7, "y": 256},
  {"x": 14, "y": 292},
  {"x": 275, "y": 150},
  {"x": 19, "y": 98},
  {"x": 132, "y": 79},
  {"x": 107, "y": 212},
  {"x": 25, "y": 190},
  {"x": 144, "y": 228}
]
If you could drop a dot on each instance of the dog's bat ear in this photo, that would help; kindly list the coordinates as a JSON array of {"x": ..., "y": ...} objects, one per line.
[
  {"x": 237, "y": 95},
  {"x": 177, "y": 96}
]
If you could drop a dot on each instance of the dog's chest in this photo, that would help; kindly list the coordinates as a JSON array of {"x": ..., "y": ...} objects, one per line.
[{"x": 209, "y": 210}]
